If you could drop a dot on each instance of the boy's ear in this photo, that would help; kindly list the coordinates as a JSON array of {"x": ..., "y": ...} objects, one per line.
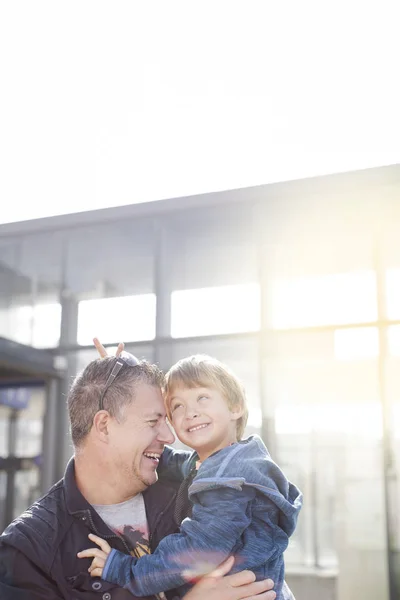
[{"x": 237, "y": 412}]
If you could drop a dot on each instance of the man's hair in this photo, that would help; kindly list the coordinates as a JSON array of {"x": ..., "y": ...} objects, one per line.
[
  {"x": 201, "y": 370},
  {"x": 85, "y": 392}
]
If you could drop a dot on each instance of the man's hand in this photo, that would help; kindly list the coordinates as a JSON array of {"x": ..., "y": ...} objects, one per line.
[
  {"x": 99, "y": 556},
  {"x": 103, "y": 352},
  {"x": 239, "y": 586}
]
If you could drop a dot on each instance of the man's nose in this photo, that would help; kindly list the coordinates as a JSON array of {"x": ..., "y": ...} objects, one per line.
[{"x": 165, "y": 434}]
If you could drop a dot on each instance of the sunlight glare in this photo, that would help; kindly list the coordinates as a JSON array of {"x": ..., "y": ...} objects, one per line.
[
  {"x": 127, "y": 318},
  {"x": 215, "y": 310},
  {"x": 362, "y": 419},
  {"x": 356, "y": 344},
  {"x": 340, "y": 299}
]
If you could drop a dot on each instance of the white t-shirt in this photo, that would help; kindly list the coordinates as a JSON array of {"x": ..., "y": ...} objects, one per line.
[{"x": 128, "y": 519}]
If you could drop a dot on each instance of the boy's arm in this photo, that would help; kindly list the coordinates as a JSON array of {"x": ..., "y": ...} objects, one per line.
[
  {"x": 219, "y": 518},
  {"x": 174, "y": 464}
]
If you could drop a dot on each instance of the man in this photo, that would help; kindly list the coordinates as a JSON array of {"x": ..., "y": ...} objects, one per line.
[{"x": 110, "y": 488}]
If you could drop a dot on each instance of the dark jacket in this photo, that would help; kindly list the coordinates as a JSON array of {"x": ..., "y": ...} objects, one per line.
[{"x": 38, "y": 549}]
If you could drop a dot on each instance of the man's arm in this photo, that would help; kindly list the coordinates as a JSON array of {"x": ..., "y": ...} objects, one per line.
[
  {"x": 20, "y": 579},
  {"x": 239, "y": 586}
]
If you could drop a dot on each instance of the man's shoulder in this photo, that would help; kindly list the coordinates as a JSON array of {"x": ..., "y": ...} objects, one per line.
[
  {"x": 41, "y": 526},
  {"x": 160, "y": 493}
]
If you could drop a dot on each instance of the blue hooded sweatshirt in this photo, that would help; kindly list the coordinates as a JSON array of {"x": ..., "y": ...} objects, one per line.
[{"x": 243, "y": 505}]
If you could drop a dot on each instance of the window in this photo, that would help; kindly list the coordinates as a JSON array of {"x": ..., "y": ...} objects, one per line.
[
  {"x": 393, "y": 333},
  {"x": 325, "y": 300},
  {"x": 357, "y": 344},
  {"x": 127, "y": 319},
  {"x": 215, "y": 310},
  {"x": 37, "y": 326},
  {"x": 393, "y": 293},
  {"x": 362, "y": 419}
]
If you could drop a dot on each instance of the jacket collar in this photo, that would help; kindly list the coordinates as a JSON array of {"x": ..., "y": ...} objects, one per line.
[
  {"x": 77, "y": 505},
  {"x": 75, "y": 501},
  {"x": 156, "y": 497}
]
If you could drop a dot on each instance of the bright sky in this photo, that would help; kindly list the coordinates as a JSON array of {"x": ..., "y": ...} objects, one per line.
[{"x": 111, "y": 103}]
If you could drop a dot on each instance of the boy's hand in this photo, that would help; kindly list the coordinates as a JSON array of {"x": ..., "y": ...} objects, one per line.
[{"x": 99, "y": 556}]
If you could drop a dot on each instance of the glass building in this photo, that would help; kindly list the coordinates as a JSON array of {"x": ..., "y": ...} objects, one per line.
[{"x": 296, "y": 286}]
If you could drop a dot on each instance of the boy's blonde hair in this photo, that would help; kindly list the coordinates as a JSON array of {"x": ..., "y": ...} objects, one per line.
[{"x": 201, "y": 370}]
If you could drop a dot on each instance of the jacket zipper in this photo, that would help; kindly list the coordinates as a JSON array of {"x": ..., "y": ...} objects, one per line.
[
  {"x": 107, "y": 537},
  {"x": 159, "y": 519}
]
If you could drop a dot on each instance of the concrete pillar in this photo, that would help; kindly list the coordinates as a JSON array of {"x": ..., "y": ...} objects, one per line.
[
  {"x": 68, "y": 337},
  {"x": 162, "y": 289},
  {"x": 267, "y": 403},
  {"x": 49, "y": 438},
  {"x": 361, "y": 531}
]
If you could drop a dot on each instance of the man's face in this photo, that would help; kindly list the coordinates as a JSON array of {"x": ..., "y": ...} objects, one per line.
[{"x": 137, "y": 442}]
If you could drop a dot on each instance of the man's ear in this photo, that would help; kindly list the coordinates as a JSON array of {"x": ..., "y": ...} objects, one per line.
[{"x": 100, "y": 426}]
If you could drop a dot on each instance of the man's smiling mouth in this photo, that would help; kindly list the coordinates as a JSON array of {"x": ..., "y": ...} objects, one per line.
[{"x": 153, "y": 456}]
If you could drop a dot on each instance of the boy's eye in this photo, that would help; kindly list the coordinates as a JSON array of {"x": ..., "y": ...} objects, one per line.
[{"x": 176, "y": 406}]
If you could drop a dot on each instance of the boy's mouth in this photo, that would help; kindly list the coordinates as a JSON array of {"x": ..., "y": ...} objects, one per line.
[{"x": 197, "y": 427}]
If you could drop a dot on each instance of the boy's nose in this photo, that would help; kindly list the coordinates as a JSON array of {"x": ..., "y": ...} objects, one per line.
[{"x": 192, "y": 413}]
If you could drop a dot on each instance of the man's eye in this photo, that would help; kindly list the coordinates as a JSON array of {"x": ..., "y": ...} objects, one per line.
[{"x": 153, "y": 421}]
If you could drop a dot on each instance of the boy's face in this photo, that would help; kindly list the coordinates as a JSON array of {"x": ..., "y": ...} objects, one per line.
[{"x": 202, "y": 419}]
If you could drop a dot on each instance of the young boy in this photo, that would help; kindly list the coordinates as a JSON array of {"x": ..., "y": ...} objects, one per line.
[{"x": 241, "y": 503}]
